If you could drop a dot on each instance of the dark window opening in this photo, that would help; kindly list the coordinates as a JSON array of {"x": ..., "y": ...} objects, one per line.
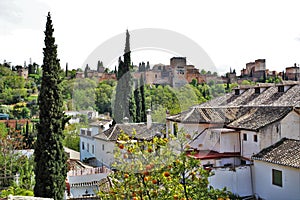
[
  {"x": 277, "y": 177},
  {"x": 280, "y": 88},
  {"x": 175, "y": 129},
  {"x": 237, "y": 92},
  {"x": 257, "y": 90},
  {"x": 245, "y": 137},
  {"x": 255, "y": 138}
]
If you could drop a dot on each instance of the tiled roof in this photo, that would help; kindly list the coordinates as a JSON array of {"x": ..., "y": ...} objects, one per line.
[
  {"x": 285, "y": 152},
  {"x": 209, "y": 115},
  {"x": 141, "y": 131},
  {"x": 248, "y": 110},
  {"x": 270, "y": 96},
  {"x": 260, "y": 116}
]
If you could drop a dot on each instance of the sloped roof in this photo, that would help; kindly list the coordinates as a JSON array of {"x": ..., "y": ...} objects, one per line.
[
  {"x": 258, "y": 117},
  {"x": 142, "y": 132},
  {"x": 285, "y": 152},
  {"x": 209, "y": 115},
  {"x": 248, "y": 110}
]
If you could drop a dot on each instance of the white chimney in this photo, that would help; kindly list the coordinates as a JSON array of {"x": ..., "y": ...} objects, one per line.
[
  {"x": 149, "y": 120},
  {"x": 125, "y": 120}
]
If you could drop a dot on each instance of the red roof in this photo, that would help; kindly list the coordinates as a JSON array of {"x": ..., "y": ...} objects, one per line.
[{"x": 207, "y": 154}]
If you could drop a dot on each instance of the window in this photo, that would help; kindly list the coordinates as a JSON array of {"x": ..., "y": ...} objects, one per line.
[
  {"x": 255, "y": 138},
  {"x": 237, "y": 92},
  {"x": 281, "y": 88},
  {"x": 243, "y": 162},
  {"x": 277, "y": 177},
  {"x": 88, "y": 147},
  {"x": 245, "y": 136},
  {"x": 175, "y": 129},
  {"x": 89, "y": 133},
  {"x": 257, "y": 90},
  {"x": 82, "y": 146},
  {"x": 102, "y": 147},
  {"x": 93, "y": 149}
]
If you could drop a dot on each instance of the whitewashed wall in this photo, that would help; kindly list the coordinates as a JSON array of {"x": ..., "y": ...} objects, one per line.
[
  {"x": 263, "y": 187},
  {"x": 84, "y": 183},
  {"x": 238, "y": 181},
  {"x": 249, "y": 147},
  {"x": 104, "y": 151},
  {"x": 88, "y": 141},
  {"x": 229, "y": 142},
  {"x": 290, "y": 126}
]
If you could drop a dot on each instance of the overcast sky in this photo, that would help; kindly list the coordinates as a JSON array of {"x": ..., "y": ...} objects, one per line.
[{"x": 232, "y": 33}]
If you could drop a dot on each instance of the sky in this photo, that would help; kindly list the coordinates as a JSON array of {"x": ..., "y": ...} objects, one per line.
[{"x": 231, "y": 32}]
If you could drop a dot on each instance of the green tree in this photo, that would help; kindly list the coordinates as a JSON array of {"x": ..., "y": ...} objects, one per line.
[
  {"x": 124, "y": 86},
  {"x": 138, "y": 103},
  {"x": 50, "y": 158},
  {"x": 104, "y": 93},
  {"x": 158, "y": 169},
  {"x": 143, "y": 100}
]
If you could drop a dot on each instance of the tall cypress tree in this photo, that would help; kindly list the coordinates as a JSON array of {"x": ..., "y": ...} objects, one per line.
[
  {"x": 143, "y": 101},
  {"x": 123, "y": 90},
  {"x": 49, "y": 155},
  {"x": 67, "y": 70},
  {"x": 137, "y": 100}
]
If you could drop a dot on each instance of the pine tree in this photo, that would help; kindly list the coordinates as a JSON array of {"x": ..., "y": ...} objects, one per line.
[
  {"x": 143, "y": 101},
  {"x": 49, "y": 155}
]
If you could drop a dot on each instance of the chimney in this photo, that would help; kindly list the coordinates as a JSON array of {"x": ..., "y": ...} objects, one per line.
[
  {"x": 149, "y": 120},
  {"x": 125, "y": 120}
]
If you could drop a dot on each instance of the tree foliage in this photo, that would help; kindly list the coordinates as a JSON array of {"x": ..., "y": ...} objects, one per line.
[
  {"x": 50, "y": 158},
  {"x": 158, "y": 169},
  {"x": 124, "y": 87}
]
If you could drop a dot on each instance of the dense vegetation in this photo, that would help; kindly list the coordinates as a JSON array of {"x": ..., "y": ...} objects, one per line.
[{"x": 153, "y": 170}]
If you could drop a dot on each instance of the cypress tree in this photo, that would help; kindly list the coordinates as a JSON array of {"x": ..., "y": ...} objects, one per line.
[
  {"x": 49, "y": 155},
  {"x": 67, "y": 69},
  {"x": 143, "y": 101},
  {"x": 137, "y": 100},
  {"x": 123, "y": 91},
  {"x": 87, "y": 68},
  {"x": 132, "y": 109}
]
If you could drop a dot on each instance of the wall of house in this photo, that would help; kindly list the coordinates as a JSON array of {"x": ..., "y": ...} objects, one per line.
[
  {"x": 249, "y": 147},
  {"x": 87, "y": 144},
  {"x": 229, "y": 142},
  {"x": 269, "y": 135},
  {"x": 237, "y": 181},
  {"x": 210, "y": 140},
  {"x": 78, "y": 184},
  {"x": 188, "y": 128},
  {"x": 104, "y": 152},
  {"x": 262, "y": 180},
  {"x": 290, "y": 126}
]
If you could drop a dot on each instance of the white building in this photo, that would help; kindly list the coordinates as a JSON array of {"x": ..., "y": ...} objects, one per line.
[
  {"x": 97, "y": 143},
  {"x": 229, "y": 130},
  {"x": 276, "y": 173},
  {"x": 88, "y": 146},
  {"x": 84, "y": 182}
]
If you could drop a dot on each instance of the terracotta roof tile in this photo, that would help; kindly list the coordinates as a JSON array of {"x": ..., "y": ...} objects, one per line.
[
  {"x": 258, "y": 117},
  {"x": 285, "y": 152},
  {"x": 141, "y": 131}
]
